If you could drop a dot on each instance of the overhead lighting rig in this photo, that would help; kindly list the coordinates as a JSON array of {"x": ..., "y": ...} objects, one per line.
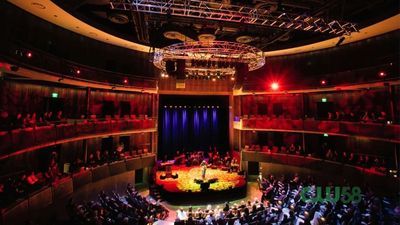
[
  {"x": 208, "y": 60},
  {"x": 234, "y": 13}
]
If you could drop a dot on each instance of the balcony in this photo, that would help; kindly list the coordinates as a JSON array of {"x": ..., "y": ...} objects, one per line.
[
  {"x": 17, "y": 140},
  {"x": 388, "y": 132}
]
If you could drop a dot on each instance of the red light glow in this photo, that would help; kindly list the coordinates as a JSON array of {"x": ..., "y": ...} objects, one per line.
[
  {"x": 382, "y": 74},
  {"x": 125, "y": 81},
  {"x": 29, "y": 54},
  {"x": 78, "y": 72},
  {"x": 274, "y": 86},
  {"x": 323, "y": 82}
]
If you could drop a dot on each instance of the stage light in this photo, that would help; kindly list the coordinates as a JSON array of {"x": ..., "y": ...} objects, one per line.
[
  {"x": 323, "y": 82},
  {"x": 324, "y": 100},
  {"x": 77, "y": 71},
  {"x": 29, "y": 54},
  {"x": 274, "y": 86},
  {"x": 125, "y": 81},
  {"x": 326, "y": 135},
  {"x": 382, "y": 74},
  {"x": 54, "y": 95}
]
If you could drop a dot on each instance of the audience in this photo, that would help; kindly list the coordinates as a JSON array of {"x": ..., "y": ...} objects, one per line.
[
  {"x": 377, "y": 163},
  {"x": 111, "y": 209},
  {"x": 281, "y": 204},
  {"x": 19, "y": 186}
]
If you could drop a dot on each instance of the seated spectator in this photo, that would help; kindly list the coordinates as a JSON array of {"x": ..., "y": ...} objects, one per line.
[
  {"x": 330, "y": 116},
  {"x": 292, "y": 149},
  {"x": 32, "y": 121},
  {"x": 98, "y": 158},
  {"x": 382, "y": 118},
  {"x": 32, "y": 179},
  {"x": 59, "y": 116},
  {"x": 5, "y": 122},
  {"x": 27, "y": 120},
  {"x": 18, "y": 121}
]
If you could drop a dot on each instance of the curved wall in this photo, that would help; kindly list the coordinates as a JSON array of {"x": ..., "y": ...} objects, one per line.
[
  {"x": 16, "y": 24},
  {"x": 323, "y": 171},
  {"x": 80, "y": 187}
]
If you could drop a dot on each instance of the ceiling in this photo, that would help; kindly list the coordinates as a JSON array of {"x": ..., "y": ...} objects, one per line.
[
  {"x": 161, "y": 30},
  {"x": 139, "y": 31}
]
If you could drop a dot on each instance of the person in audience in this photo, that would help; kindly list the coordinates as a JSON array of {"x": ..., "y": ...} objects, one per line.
[
  {"x": 5, "y": 121},
  {"x": 32, "y": 120},
  {"x": 18, "y": 121},
  {"x": 338, "y": 116},
  {"x": 32, "y": 179},
  {"x": 330, "y": 116},
  {"x": 292, "y": 149},
  {"x": 91, "y": 160},
  {"x": 98, "y": 158},
  {"x": 50, "y": 116},
  {"x": 26, "y": 121},
  {"x": 59, "y": 116},
  {"x": 382, "y": 118},
  {"x": 115, "y": 209}
]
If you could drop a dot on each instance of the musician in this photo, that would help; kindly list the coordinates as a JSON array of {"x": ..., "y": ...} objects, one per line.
[{"x": 203, "y": 169}]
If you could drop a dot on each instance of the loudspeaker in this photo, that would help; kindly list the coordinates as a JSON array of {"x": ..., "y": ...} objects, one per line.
[
  {"x": 170, "y": 67},
  {"x": 180, "y": 69},
  {"x": 242, "y": 70}
]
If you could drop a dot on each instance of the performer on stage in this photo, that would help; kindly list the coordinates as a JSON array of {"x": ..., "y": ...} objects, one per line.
[{"x": 203, "y": 170}]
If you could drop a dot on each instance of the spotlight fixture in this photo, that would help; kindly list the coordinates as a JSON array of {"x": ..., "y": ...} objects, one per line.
[
  {"x": 29, "y": 54},
  {"x": 323, "y": 82},
  {"x": 77, "y": 71},
  {"x": 382, "y": 74},
  {"x": 274, "y": 86},
  {"x": 126, "y": 81}
]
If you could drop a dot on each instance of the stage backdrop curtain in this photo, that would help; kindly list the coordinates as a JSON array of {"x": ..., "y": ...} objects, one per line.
[{"x": 189, "y": 129}]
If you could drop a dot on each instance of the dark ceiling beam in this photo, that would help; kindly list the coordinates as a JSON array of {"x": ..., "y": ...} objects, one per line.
[
  {"x": 141, "y": 27},
  {"x": 317, "y": 12}
]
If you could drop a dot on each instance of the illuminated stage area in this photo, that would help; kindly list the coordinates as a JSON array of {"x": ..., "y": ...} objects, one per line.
[{"x": 189, "y": 182}]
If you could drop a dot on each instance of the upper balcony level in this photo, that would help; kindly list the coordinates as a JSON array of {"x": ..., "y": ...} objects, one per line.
[{"x": 21, "y": 140}]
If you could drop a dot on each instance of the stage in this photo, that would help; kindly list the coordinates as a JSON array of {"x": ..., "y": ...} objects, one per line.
[{"x": 217, "y": 184}]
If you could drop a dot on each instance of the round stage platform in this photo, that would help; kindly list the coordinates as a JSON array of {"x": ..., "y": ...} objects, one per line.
[{"x": 186, "y": 181}]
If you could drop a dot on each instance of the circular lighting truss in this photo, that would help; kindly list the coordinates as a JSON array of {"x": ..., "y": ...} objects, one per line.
[{"x": 210, "y": 59}]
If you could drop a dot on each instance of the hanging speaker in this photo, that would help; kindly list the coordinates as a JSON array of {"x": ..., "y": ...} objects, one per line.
[
  {"x": 170, "y": 67},
  {"x": 180, "y": 69},
  {"x": 242, "y": 70}
]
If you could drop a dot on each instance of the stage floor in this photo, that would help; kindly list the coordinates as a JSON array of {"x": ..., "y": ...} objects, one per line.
[
  {"x": 252, "y": 193},
  {"x": 187, "y": 175}
]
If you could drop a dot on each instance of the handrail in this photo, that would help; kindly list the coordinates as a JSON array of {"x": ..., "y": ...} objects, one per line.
[
  {"x": 388, "y": 132},
  {"x": 17, "y": 139},
  {"x": 69, "y": 184}
]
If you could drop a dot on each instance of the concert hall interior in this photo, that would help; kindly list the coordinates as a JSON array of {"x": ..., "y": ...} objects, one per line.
[{"x": 192, "y": 112}]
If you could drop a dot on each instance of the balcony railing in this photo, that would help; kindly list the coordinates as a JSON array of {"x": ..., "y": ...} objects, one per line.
[
  {"x": 18, "y": 139},
  {"x": 373, "y": 130}
]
